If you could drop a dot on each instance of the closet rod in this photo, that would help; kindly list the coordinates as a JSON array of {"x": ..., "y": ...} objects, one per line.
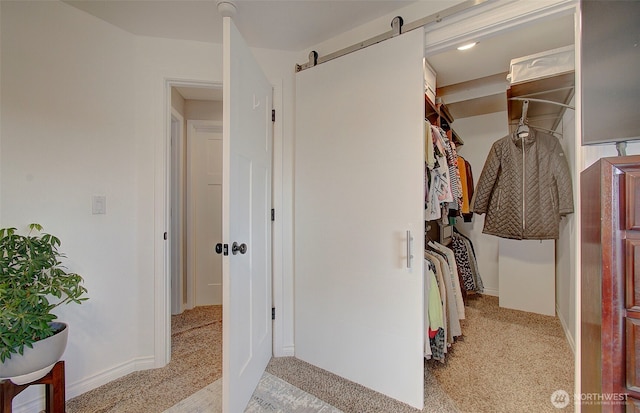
[
  {"x": 398, "y": 28},
  {"x": 545, "y": 101},
  {"x": 547, "y": 91}
]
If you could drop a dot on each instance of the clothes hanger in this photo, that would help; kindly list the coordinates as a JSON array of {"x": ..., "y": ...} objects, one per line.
[
  {"x": 549, "y": 131},
  {"x": 522, "y": 131}
]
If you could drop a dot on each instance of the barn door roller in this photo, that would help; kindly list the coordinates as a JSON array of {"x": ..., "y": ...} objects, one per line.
[{"x": 397, "y": 28}]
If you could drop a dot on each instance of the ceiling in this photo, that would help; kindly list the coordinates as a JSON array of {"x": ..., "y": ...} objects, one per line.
[
  {"x": 292, "y": 25},
  {"x": 493, "y": 55},
  {"x": 200, "y": 93},
  {"x": 297, "y": 25}
]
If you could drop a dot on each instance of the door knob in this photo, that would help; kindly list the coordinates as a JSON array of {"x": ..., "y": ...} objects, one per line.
[{"x": 238, "y": 248}]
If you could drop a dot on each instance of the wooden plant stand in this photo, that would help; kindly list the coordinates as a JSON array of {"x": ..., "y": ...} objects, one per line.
[{"x": 55, "y": 391}]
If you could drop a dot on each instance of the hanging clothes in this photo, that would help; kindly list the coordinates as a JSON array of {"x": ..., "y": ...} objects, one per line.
[
  {"x": 444, "y": 191},
  {"x": 444, "y": 308},
  {"x": 436, "y": 335},
  {"x": 462, "y": 172},
  {"x": 434, "y": 315},
  {"x": 525, "y": 187},
  {"x": 453, "y": 273},
  {"x": 465, "y": 259},
  {"x": 449, "y": 151},
  {"x": 439, "y": 190},
  {"x": 429, "y": 153},
  {"x": 452, "y": 321},
  {"x": 473, "y": 262},
  {"x": 468, "y": 216}
]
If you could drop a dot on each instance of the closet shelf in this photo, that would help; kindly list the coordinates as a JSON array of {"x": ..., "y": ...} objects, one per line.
[
  {"x": 439, "y": 115},
  {"x": 558, "y": 88}
]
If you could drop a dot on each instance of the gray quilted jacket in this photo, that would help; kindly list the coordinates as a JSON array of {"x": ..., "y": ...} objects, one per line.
[{"x": 524, "y": 194}]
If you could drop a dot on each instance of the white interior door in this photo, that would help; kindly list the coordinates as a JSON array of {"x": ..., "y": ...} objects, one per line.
[
  {"x": 247, "y": 147},
  {"x": 359, "y": 170},
  {"x": 204, "y": 140}
]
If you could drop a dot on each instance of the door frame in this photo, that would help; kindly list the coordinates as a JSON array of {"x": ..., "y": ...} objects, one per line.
[
  {"x": 177, "y": 194},
  {"x": 282, "y": 234}
]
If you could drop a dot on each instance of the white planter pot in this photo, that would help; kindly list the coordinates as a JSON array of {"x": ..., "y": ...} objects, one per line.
[{"x": 36, "y": 362}]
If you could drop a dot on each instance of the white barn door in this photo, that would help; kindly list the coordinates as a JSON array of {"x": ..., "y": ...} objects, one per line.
[
  {"x": 359, "y": 170},
  {"x": 246, "y": 217}
]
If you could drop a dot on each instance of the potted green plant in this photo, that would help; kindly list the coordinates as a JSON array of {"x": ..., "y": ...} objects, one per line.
[{"x": 33, "y": 282}]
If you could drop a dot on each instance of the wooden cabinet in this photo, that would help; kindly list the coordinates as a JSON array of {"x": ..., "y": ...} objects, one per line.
[{"x": 610, "y": 310}]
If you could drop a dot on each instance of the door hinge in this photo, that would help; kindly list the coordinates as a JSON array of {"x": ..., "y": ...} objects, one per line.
[
  {"x": 273, "y": 313},
  {"x": 273, "y": 115},
  {"x": 273, "y": 214},
  {"x": 165, "y": 236}
]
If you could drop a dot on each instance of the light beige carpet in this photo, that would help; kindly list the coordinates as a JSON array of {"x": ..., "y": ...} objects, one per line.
[
  {"x": 507, "y": 361},
  {"x": 351, "y": 397},
  {"x": 196, "y": 361}
]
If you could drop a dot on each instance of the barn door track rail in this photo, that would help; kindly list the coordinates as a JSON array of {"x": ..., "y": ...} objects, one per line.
[{"x": 397, "y": 28}]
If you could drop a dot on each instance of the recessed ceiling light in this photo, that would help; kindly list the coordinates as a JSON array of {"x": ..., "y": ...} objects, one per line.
[{"x": 467, "y": 46}]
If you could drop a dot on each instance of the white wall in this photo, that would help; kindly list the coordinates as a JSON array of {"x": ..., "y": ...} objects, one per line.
[
  {"x": 203, "y": 110},
  {"x": 85, "y": 114},
  {"x": 68, "y": 132},
  {"x": 592, "y": 153},
  {"x": 566, "y": 245},
  {"x": 479, "y": 133}
]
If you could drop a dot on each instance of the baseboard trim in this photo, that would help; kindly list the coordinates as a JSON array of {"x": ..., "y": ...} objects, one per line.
[
  {"x": 89, "y": 383},
  {"x": 288, "y": 351},
  {"x": 488, "y": 291},
  {"x": 284, "y": 351},
  {"x": 567, "y": 332}
]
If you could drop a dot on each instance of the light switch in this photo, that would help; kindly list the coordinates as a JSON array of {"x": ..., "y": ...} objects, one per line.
[{"x": 98, "y": 204}]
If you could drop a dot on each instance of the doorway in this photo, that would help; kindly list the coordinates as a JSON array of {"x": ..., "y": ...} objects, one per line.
[
  {"x": 482, "y": 115},
  {"x": 283, "y": 337},
  {"x": 195, "y": 177},
  {"x": 194, "y": 215}
]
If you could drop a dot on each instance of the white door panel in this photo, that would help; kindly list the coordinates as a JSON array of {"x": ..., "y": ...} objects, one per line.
[
  {"x": 359, "y": 170},
  {"x": 247, "y": 325},
  {"x": 204, "y": 139}
]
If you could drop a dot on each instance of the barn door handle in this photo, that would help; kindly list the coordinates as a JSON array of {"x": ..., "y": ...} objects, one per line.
[
  {"x": 238, "y": 248},
  {"x": 409, "y": 249}
]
